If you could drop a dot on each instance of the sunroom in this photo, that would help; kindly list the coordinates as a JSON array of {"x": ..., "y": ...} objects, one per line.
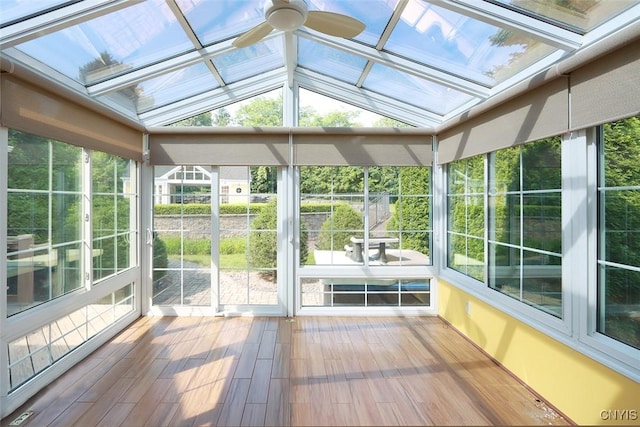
[{"x": 474, "y": 161}]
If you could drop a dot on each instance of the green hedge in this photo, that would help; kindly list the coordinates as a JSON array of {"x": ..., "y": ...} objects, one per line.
[{"x": 229, "y": 209}]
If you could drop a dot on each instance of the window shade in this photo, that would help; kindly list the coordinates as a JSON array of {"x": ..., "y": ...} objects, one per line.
[
  {"x": 28, "y": 108},
  {"x": 219, "y": 146},
  {"x": 541, "y": 113},
  {"x": 362, "y": 147},
  {"x": 607, "y": 89}
]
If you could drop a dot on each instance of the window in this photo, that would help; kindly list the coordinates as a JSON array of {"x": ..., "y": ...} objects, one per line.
[
  {"x": 619, "y": 232},
  {"x": 44, "y": 226},
  {"x": 112, "y": 198},
  {"x": 337, "y": 207},
  {"x": 525, "y": 224},
  {"x": 465, "y": 216},
  {"x": 364, "y": 217}
]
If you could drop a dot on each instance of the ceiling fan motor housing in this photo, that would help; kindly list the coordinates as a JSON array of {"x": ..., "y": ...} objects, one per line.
[{"x": 285, "y": 15}]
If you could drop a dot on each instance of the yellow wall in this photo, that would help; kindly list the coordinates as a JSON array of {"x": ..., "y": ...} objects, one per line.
[{"x": 575, "y": 384}]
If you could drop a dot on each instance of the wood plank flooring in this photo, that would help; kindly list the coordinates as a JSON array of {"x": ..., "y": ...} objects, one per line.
[{"x": 329, "y": 371}]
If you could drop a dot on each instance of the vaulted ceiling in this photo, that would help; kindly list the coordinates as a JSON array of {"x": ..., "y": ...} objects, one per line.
[{"x": 421, "y": 62}]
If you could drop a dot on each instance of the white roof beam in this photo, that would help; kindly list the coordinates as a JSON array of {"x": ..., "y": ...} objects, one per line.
[
  {"x": 400, "y": 64},
  {"x": 214, "y": 99},
  {"x": 509, "y": 19},
  {"x": 365, "y": 99}
]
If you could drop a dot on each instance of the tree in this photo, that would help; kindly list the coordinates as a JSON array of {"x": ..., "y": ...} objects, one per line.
[
  {"x": 261, "y": 111},
  {"x": 202, "y": 119},
  {"x": 411, "y": 217}
]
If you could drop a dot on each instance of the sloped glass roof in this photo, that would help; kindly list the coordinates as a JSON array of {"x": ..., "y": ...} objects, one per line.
[{"x": 160, "y": 61}]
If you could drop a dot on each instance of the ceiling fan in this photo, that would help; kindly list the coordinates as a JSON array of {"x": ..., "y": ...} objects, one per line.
[{"x": 289, "y": 15}]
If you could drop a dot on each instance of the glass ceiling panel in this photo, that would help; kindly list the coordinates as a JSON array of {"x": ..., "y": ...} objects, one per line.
[
  {"x": 256, "y": 59},
  {"x": 320, "y": 110},
  {"x": 329, "y": 61},
  {"x": 213, "y": 21},
  {"x": 16, "y": 10},
  {"x": 461, "y": 45},
  {"x": 374, "y": 13},
  {"x": 577, "y": 14},
  {"x": 414, "y": 90},
  {"x": 112, "y": 44},
  {"x": 165, "y": 89}
]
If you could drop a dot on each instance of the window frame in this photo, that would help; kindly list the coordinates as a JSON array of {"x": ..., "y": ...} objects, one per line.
[{"x": 578, "y": 327}]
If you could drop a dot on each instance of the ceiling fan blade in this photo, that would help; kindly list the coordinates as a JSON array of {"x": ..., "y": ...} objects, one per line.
[
  {"x": 334, "y": 24},
  {"x": 252, "y": 36}
]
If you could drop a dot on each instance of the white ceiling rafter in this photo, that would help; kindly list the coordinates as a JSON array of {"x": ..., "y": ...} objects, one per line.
[
  {"x": 216, "y": 98},
  {"x": 365, "y": 99},
  {"x": 400, "y": 64},
  {"x": 186, "y": 27},
  {"x": 508, "y": 19}
]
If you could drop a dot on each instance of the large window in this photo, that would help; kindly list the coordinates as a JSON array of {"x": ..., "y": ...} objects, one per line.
[
  {"x": 525, "y": 224},
  {"x": 364, "y": 217},
  {"x": 112, "y": 195},
  {"x": 44, "y": 226},
  {"x": 619, "y": 232},
  {"x": 465, "y": 216}
]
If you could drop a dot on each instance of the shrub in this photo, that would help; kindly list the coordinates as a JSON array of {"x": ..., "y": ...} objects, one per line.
[
  {"x": 263, "y": 247},
  {"x": 343, "y": 223}
]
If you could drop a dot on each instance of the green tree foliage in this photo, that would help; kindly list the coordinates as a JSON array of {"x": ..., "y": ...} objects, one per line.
[
  {"x": 264, "y": 180},
  {"x": 222, "y": 118},
  {"x": 622, "y": 222},
  {"x": 411, "y": 217},
  {"x": 262, "y": 111},
  {"x": 203, "y": 119},
  {"x": 336, "y": 231}
]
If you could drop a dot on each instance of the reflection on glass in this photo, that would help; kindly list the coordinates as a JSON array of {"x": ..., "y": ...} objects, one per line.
[
  {"x": 619, "y": 216},
  {"x": 361, "y": 292},
  {"x": 33, "y": 353},
  {"x": 577, "y": 15},
  {"x": 43, "y": 220},
  {"x": 465, "y": 224},
  {"x": 449, "y": 41},
  {"x": 525, "y": 214}
]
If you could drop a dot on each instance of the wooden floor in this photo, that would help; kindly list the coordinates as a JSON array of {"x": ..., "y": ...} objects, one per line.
[{"x": 185, "y": 371}]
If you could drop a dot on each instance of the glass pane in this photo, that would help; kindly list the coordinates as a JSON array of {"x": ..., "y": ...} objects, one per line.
[
  {"x": 621, "y": 234},
  {"x": 256, "y": 59},
  {"x": 542, "y": 222},
  {"x": 197, "y": 287},
  {"x": 329, "y": 61},
  {"x": 542, "y": 282},
  {"x": 214, "y": 21},
  {"x": 504, "y": 217},
  {"x": 28, "y": 161},
  {"x": 621, "y": 153},
  {"x": 458, "y": 44},
  {"x": 166, "y": 89},
  {"x": 111, "y": 44},
  {"x": 619, "y": 297},
  {"x": 28, "y": 214},
  {"x": 66, "y": 222},
  {"x": 580, "y": 15},
  {"x": 15, "y": 10},
  {"x": 66, "y": 167},
  {"x": 541, "y": 165},
  {"x": 414, "y": 90},
  {"x": 504, "y": 269},
  {"x": 505, "y": 171}
]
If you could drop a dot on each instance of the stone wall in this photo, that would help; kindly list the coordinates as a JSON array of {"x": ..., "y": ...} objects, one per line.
[{"x": 199, "y": 226}]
